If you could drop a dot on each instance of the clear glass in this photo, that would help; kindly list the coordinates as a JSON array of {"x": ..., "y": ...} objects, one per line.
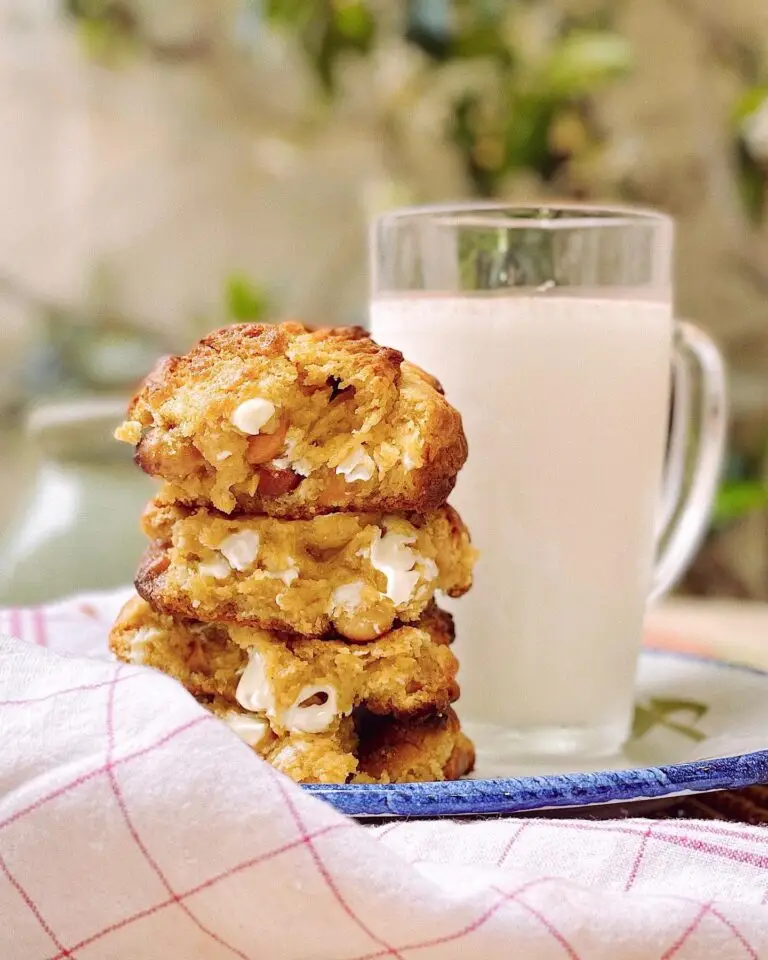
[{"x": 552, "y": 331}]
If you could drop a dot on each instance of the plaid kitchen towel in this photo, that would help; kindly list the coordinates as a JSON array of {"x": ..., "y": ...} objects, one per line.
[{"x": 133, "y": 824}]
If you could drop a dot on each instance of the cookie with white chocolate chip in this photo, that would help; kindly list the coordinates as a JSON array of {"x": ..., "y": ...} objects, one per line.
[
  {"x": 298, "y": 685},
  {"x": 353, "y": 575},
  {"x": 362, "y": 749},
  {"x": 294, "y": 422},
  {"x": 329, "y": 757}
]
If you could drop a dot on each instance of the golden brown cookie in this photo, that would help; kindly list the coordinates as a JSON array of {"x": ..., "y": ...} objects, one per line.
[
  {"x": 293, "y": 423},
  {"x": 358, "y": 750},
  {"x": 297, "y": 684},
  {"x": 399, "y": 752},
  {"x": 329, "y": 757},
  {"x": 350, "y": 574}
]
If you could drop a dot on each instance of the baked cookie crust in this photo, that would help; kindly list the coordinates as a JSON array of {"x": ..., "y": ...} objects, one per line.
[
  {"x": 354, "y": 575},
  {"x": 407, "y": 673},
  {"x": 294, "y": 422},
  {"x": 360, "y": 751}
]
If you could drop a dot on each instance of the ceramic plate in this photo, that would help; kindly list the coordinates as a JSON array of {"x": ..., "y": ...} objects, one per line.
[{"x": 700, "y": 725}]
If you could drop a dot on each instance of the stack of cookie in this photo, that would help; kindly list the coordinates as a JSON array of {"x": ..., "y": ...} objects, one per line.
[{"x": 296, "y": 546}]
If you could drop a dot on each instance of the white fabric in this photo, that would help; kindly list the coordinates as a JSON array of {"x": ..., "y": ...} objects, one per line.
[{"x": 135, "y": 825}]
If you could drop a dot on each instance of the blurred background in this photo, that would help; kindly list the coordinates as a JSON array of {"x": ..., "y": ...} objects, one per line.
[{"x": 169, "y": 165}]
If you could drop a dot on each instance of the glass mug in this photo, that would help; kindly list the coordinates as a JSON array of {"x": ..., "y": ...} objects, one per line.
[{"x": 551, "y": 329}]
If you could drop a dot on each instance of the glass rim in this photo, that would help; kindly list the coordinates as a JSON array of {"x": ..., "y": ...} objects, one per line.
[{"x": 478, "y": 214}]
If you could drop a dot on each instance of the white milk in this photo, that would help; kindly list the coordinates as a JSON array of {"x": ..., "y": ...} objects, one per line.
[{"x": 565, "y": 403}]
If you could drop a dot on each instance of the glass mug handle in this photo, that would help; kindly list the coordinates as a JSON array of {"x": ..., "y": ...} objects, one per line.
[{"x": 684, "y": 516}]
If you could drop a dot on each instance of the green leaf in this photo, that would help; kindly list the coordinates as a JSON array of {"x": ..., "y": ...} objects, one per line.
[
  {"x": 354, "y": 22},
  {"x": 326, "y": 31},
  {"x": 585, "y": 61},
  {"x": 527, "y": 133},
  {"x": 244, "y": 300},
  {"x": 107, "y": 29},
  {"x": 738, "y": 498},
  {"x": 484, "y": 40},
  {"x": 104, "y": 43},
  {"x": 749, "y": 101},
  {"x": 751, "y": 180},
  {"x": 289, "y": 13}
]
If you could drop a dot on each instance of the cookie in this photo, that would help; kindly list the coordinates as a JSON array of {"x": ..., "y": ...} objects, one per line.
[
  {"x": 348, "y": 574},
  {"x": 361, "y": 749},
  {"x": 297, "y": 684},
  {"x": 329, "y": 757},
  {"x": 435, "y": 748},
  {"x": 294, "y": 423}
]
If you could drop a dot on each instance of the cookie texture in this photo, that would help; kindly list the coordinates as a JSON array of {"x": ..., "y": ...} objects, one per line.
[
  {"x": 299, "y": 685},
  {"x": 297, "y": 544},
  {"x": 433, "y": 749},
  {"x": 361, "y": 749},
  {"x": 294, "y": 422},
  {"x": 354, "y": 575},
  {"x": 329, "y": 757}
]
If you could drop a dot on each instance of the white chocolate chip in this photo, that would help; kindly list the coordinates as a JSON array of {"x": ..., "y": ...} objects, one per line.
[
  {"x": 253, "y": 690},
  {"x": 241, "y": 549},
  {"x": 413, "y": 453},
  {"x": 347, "y": 597},
  {"x": 357, "y": 466},
  {"x": 392, "y": 556},
  {"x": 252, "y": 414},
  {"x": 284, "y": 462},
  {"x": 288, "y": 575},
  {"x": 316, "y": 717},
  {"x": 251, "y": 730},
  {"x": 218, "y": 568},
  {"x": 140, "y": 641}
]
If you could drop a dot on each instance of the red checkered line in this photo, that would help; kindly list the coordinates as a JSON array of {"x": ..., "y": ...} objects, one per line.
[
  {"x": 389, "y": 951},
  {"x": 704, "y": 842}
]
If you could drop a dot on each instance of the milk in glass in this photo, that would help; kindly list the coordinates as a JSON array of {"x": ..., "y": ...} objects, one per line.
[{"x": 564, "y": 399}]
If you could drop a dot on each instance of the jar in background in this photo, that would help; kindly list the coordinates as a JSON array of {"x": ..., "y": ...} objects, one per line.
[{"x": 78, "y": 527}]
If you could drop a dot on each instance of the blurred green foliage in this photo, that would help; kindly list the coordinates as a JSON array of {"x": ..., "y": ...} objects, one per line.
[
  {"x": 751, "y": 165},
  {"x": 538, "y": 115},
  {"x": 327, "y": 29},
  {"x": 245, "y": 301},
  {"x": 748, "y": 102},
  {"x": 535, "y": 117},
  {"x": 737, "y": 499},
  {"x": 516, "y": 127},
  {"x": 108, "y": 29},
  {"x": 522, "y": 77}
]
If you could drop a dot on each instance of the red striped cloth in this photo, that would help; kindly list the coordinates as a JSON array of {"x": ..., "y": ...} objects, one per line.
[{"x": 135, "y": 825}]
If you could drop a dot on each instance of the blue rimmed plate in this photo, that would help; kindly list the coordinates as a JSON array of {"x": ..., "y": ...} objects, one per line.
[{"x": 700, "y": 725}]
